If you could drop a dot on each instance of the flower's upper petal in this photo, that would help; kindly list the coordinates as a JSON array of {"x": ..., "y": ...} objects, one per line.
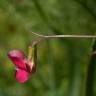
[
  {"x": 18, "y": 58},
  {"x": 21, "y": 75},
  {"x": 16, "y": 53}
]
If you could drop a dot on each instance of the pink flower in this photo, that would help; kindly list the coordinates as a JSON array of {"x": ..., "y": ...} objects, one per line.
[{"x": 24, "y": 66}]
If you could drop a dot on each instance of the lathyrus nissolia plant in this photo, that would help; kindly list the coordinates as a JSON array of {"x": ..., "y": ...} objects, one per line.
[{"x": 26, "y": 65}]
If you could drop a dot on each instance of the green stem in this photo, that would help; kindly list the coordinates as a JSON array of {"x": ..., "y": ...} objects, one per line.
[
  {"x": 75, "y": 75},
  {"x": 91, "y": 74},
  {"x": 44, "y": 17},
  {"x": 35, "y": 57},
  {"x": 52, "y": 83},
  {"x": 87, "y": 8}
]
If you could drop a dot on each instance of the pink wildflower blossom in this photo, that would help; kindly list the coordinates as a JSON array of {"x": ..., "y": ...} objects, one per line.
[{"x": 24, "y": 66}]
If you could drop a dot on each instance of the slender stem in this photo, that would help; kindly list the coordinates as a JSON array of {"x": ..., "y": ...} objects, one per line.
[
  {"x": 39, "y": 35},
  {"x": 64, "y": 36},
  {"x": 71, "y": 36},
  {"x": 45, "y": 37}
]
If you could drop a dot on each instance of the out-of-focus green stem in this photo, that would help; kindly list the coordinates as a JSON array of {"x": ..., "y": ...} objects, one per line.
[
  {"x": 87, "y": 8},
  {"x": 91, "y": 73},
  {"x": 44, "y": 17},
  {"x": 75, "y": 76},
  {"x": 51, "y": 73}
]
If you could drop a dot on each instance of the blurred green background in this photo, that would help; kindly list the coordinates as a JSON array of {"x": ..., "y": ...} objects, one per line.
[{"x": 62, "y": 63}]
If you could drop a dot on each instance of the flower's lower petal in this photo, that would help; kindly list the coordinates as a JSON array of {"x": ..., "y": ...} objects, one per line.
[{"x": 21, "y": 75}]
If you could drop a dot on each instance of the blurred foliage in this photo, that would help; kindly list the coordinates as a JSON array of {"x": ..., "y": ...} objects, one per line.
[{"x": 62, "y": 63}]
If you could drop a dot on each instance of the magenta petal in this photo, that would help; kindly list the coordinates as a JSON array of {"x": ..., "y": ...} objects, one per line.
[
  {"x": 21, "y": 75},
  {"x": 18, "y": 58},
  {"x": 16, "y": 53}
]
